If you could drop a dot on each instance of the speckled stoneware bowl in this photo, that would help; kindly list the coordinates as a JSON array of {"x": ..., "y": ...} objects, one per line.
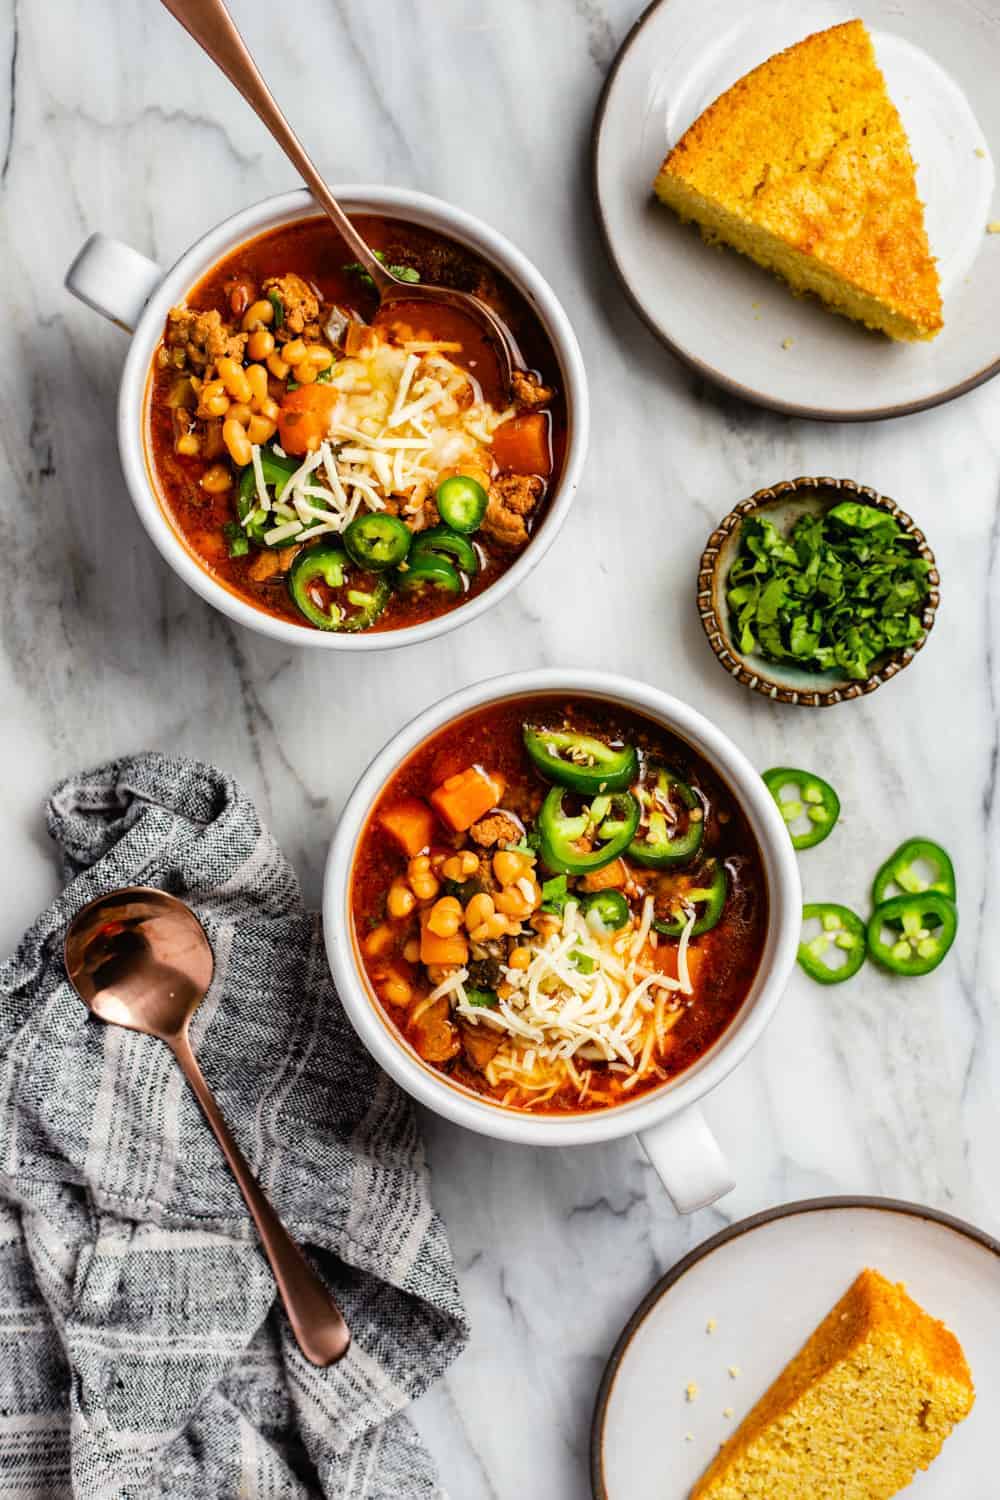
[{"x": 780, "y": 681}]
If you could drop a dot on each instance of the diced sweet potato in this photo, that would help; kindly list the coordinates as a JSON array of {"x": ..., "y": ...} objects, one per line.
[
  {"x": 304, "y": 418},
  {"x": 611, "y": 878},
  {"x": 410, "y": 822},
  {"x": 521, "y": 445},
  {"x": 666, "y": 960},
  {"x": 467, "y": 796},
  {"x": 441, "y": 950}
]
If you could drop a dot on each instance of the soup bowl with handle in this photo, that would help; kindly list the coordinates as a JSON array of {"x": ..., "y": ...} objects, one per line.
[
  {"x": 137, "y": 294},
  {"x": 667, "y": 1119}
]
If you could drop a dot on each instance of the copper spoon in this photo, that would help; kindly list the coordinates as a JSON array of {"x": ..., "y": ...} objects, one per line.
[
  {"x": 212, "y": 27},
  {"x": 140, "y": 959}
]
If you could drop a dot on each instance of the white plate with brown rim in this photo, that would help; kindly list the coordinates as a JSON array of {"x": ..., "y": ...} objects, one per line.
[
  {"x": 761, "y": 1287},
  {"x": 731, "y": 321}
]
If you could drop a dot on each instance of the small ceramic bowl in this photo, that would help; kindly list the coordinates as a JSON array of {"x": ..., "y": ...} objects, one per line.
[{"x": 783, "y": 682}]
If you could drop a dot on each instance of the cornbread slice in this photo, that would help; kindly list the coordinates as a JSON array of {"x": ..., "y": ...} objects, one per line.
[
  {"x": 867, "y": 1402},
  {"x": 804, "y": 166}
]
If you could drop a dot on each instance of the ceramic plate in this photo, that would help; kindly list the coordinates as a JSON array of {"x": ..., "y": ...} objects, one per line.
[
  {"x": 735, "y": 323},
  {"x": 767, "y": 1282}
]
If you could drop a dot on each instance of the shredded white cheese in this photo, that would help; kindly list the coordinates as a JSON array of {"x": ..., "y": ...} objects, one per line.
[{"x": 586, "y": 996}]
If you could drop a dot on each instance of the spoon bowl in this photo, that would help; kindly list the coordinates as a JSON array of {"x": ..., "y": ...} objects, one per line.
[{"x": 139, "y": 958}]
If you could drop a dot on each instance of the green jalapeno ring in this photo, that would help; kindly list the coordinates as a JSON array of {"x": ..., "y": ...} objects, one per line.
[
  {"x": 612, "y": 818},
  {"x": 840, "y": 928},
  {"x": 377, "y": 540},
  {"x": 816, "y": 801},
  {"x": 441, "y": 541},
  {"x": 712, "y": 896},
  {"x": 608, "y": 909},
  {"x": 918, "y": 943},
  {"x": 580, "y": 762},
  {"x": 327, "y": 562},
  {"x": 654, "y": 846},
  {"x": 898, "y": 870},
  {"x": 461, "y": 502},
  {"x": 277, "y": 472},
  {"x": 424, "y": 570}
]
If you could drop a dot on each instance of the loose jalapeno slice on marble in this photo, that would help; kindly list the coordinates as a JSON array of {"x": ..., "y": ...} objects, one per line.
[
  {"x": 707, "y": 900},
  {"x": 672, "y": 825},
  {"x": 441, "y": 541},
  {"x": 577, "y": 843},
  {"x": 461, "y": 503},
  {"x": 910, "y": 935},
  {"x": 814, "y": 804},
  {"x": 377, "y": 541},
  {"x": 608, "y": 909},
  {"x": 581, "y": 762},
  {"x": 330, "y": 594},
  {"x": 918, "y": 865},
  {"x": 841, "y": 936},
  {"x": 277, "y": 472}
]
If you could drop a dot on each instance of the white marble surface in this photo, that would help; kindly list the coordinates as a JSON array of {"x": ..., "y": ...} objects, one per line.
[{"x": 117, "y": 124}]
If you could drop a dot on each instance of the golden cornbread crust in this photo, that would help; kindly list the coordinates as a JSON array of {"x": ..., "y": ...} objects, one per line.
[
  {"x": 865, "y": 1404},
  {"x": 804, "y": 166}
]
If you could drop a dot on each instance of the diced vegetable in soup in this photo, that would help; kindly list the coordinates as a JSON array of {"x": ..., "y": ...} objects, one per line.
[
  {"x": 341, "y": 468},
  {"x": 558, "y": 904}
]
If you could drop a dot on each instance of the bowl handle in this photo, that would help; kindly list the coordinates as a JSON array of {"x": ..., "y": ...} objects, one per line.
[
  {"x": 113, "y": 279},
  {"x": 688, "y": 1160}
]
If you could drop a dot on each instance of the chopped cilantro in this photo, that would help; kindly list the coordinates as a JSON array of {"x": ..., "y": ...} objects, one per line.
[
  {"x": 555, "y": 894},
  {"x": 483, "y": 998},
  {"x": 582, "y": 961},
  {"x": 835, "y": 594},
  {"x": 404, "y": 273}
]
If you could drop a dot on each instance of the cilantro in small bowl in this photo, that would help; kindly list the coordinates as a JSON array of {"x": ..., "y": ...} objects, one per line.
[{"x": 817, "y": 591}]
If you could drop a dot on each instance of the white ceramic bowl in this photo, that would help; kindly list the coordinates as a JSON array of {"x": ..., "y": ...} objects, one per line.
[
  {"x": 137, "y": 294},
  {"x": 667, "y": 1120}
]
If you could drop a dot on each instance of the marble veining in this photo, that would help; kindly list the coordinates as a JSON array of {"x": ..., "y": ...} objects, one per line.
[{"x": 113, "y": 121}]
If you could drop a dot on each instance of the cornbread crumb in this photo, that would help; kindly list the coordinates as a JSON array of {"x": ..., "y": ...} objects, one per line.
[
  {"x": 727, "y": 1411},
  {"x": 711, "y": 1326},
  {"x": 804, "y": 166},
  {"x": 865, "y": 1404},
  {"x": 980, "y": 151},
  {"x": 787, "y": 343},
  {"x": 993, "y": 227},
  {"x": 689, "y": 1437},
  {"x": 734, "y": 1370},
  {"x": 691, "y": 1391}
]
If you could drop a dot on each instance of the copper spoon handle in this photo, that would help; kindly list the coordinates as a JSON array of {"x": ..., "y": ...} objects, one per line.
[
  {"x": 317, "y": 1322},
  {"x": 212, "y": 27}
]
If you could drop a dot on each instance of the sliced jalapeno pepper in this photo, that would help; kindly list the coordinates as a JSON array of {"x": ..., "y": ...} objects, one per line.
[
  {"x": 673, "y": 822},
  {"x": 580, "y": 761},
  {"x": 461, "y": 502},
  {"x": 609, "y": 909},
  {"x": 840, "y": 930},
  {"x": 603, "y": 828},
  {"x": 815, "y": 800},
  {"x": 377, "y": 541},
  {"x": 425, "y": 571},
  {"x": 277, "y": 472},
  {"x": 441, "y": 541},
  {"x": 899, "y": 876},
  {"x": 922, "y": 928},
  {"x": 330, "y": 595},
  {"x": 707, "y": 899}
]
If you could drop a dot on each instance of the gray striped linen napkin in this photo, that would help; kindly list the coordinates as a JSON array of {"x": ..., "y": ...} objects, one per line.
[{"x": 142, "y": 1351}]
